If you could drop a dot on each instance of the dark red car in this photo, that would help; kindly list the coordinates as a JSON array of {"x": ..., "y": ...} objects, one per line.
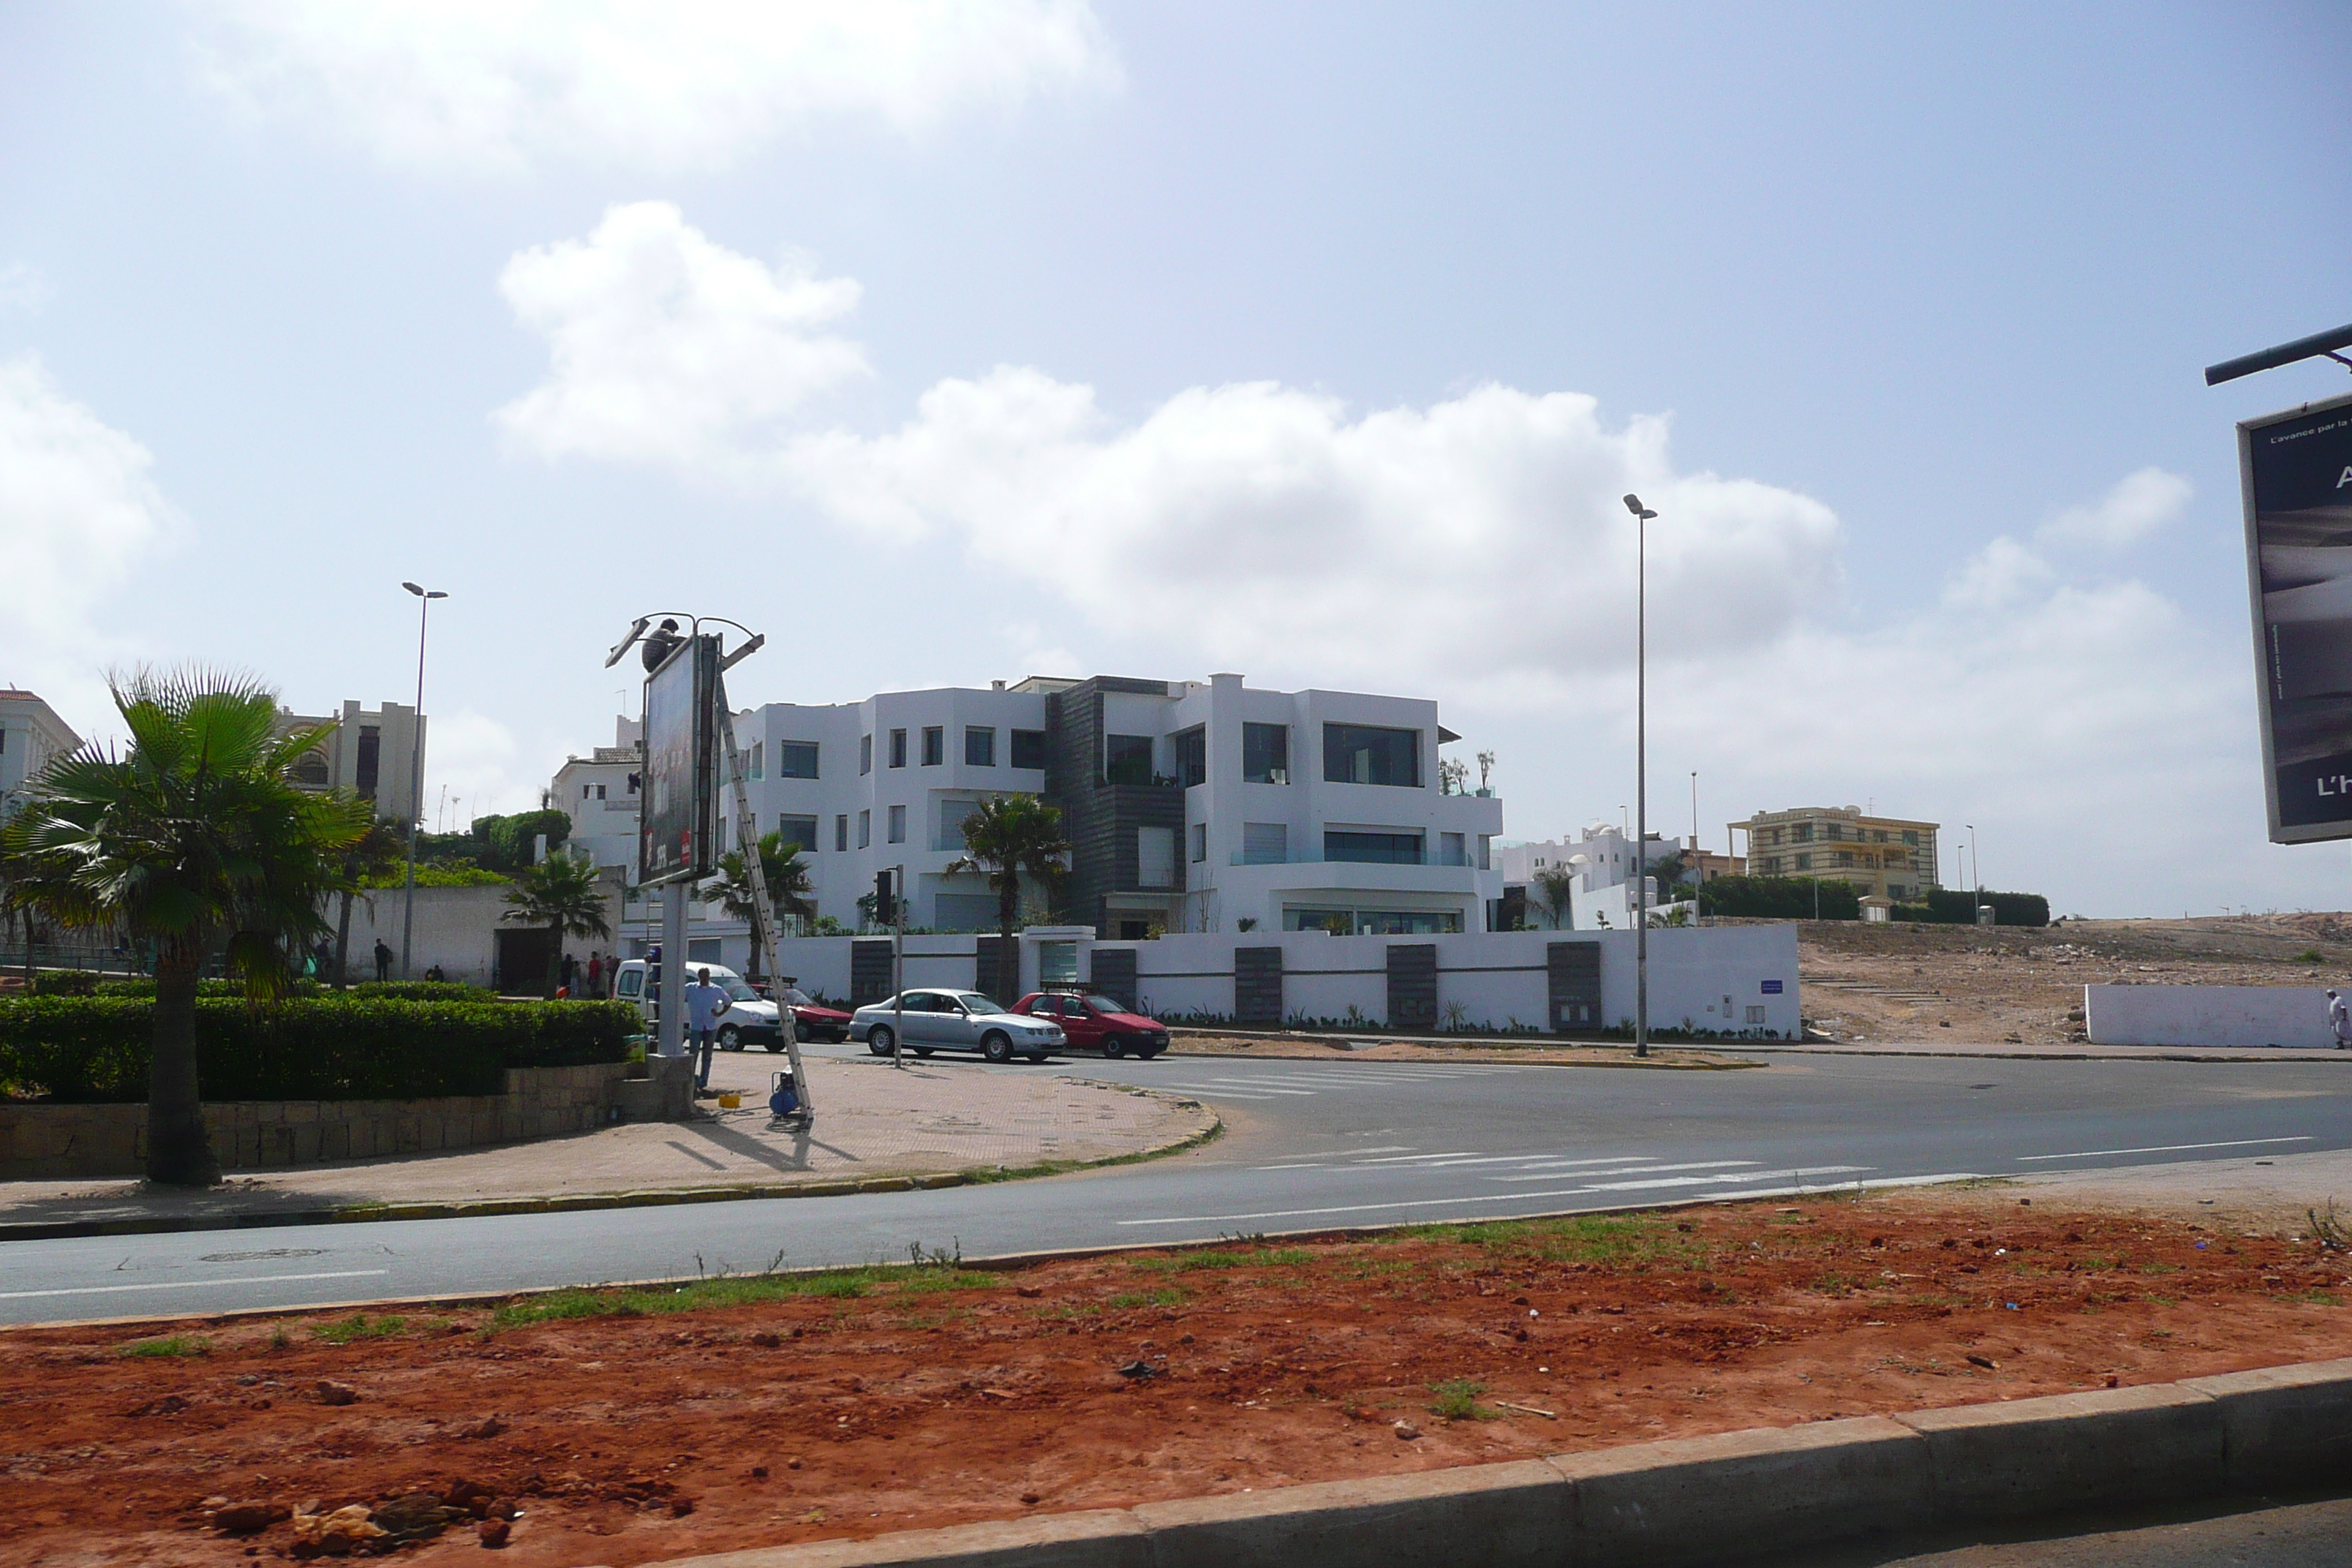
[
  {"x": 1092, "y": 1021},
  {"x": 812, "y": 1020}
]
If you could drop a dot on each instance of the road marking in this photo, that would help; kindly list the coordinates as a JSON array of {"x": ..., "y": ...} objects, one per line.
[
  {"x": 189, "y": 1284},
  {"x": 1645, "y": 1169},
  {"x": 1524, "y": 1197},
  {"x": 1216, "y": 1086},
  {"x": 1383, "y": 1149},
  {"x": 1456, "y": 1154},
  {"x": 2163, "y": 1149},
  {"x": 1733, "y": 1176}
]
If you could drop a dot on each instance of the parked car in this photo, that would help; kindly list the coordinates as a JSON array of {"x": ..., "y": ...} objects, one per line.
[
  {"x": 1093, "y": 1021},
  {"x": 943, "y": 1020},
  {"x": 815, "y": 1020},
  {"x": 751, "y": 1019}
]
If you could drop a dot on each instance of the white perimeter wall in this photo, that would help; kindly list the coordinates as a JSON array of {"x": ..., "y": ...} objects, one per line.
[
  {"x": 1703, "y": 980},
  {"x": 2206, "y": 1015}
]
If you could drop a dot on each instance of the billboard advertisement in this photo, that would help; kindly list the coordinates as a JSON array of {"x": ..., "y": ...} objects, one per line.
[
  {"x": 2297, "y": 470},
  {"x": 681, "y": 743}
]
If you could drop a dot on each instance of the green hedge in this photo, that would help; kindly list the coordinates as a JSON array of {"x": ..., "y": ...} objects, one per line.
[
  {"x": 1957, "y": 906},
  {"x": 321, "y": 1047},
  {"x": 1780, "y": 898}
]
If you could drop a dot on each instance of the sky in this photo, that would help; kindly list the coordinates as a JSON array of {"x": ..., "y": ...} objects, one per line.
[{"x": 951, "y": 341}]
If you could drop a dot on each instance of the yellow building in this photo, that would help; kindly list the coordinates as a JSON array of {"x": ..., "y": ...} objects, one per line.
[{"x": 1888, "y": 856}]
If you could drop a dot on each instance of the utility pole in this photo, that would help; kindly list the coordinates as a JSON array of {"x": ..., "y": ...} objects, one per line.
[
  {"x": 415, "y": 777},
  {"x": 1641, "y": 516}
]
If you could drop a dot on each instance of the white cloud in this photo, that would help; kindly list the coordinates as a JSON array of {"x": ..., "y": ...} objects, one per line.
[
  {"x": 78, "y": 514},
  {"x": 23, "y": 287},
  {"x": 666, "y": 347},
  {"x": 2140, "y": 503},
  {"x": 497, "y": 85},
  {"x": 473, "y": 767}
]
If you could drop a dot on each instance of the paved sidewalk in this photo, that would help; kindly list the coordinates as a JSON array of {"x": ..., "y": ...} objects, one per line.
[{"x": 930, "y": 1124}]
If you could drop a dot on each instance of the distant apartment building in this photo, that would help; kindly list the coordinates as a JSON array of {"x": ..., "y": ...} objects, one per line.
[
  {"x": 1190, "y": 805},
  {"x": 30, "y": 734},
  {"x": 372, "y": 753},
  {"x": 1886, "y": 857},
  {"x": 1602, "y": 862},
  {"x": 599, "y": 793}
]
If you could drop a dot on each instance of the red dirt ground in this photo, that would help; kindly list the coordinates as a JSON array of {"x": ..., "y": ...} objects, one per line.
[{"x": 926, "y": 1397}]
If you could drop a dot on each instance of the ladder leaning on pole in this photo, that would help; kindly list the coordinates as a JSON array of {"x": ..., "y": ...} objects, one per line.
[{"x": 764, "y": 913}]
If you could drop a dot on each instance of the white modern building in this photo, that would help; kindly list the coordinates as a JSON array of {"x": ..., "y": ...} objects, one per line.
[
  {"x": 1190, "y": 805},
  {"x": 372, "y": 753},
  {"x": 30, "y": 734},
  {"x": 1602, "y": 864},
  {"x": 599, "y": 793}
]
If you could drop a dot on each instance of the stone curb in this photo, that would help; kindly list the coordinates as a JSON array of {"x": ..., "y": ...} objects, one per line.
[
  {"x": 356, "y": 1214},
  {"x": 1697, "y": 1501}
]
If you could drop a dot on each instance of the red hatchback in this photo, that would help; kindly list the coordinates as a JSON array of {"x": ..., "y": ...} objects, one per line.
[
  {"x": 812, "y": 1020},
  {"x": 1094, "y": 1022}
]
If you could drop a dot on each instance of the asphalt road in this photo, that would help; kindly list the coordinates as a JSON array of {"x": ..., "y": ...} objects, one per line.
[{"x": 1311, "y": 1145}]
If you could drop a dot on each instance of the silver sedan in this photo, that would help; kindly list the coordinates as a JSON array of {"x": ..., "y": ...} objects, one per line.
[{"x": 945, "y": 1020}]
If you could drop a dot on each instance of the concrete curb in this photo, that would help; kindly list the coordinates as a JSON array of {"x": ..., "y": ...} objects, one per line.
[
  {"x": 2109, "y": 1054},
  {"x": 1699, "y": 1499},
  {"x": 356, "y": 1214}
]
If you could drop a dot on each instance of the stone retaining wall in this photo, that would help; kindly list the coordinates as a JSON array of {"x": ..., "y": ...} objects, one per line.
[{"x": 69, "y": 1143}]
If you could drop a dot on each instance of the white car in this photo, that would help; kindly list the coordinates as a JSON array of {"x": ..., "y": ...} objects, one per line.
[
  {"x": 945, "y": 1020},
  {"x": 751, "y": 1019}
]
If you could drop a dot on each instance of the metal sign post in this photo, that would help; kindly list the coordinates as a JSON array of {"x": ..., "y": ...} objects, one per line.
[{"x": 899, "y": 965}]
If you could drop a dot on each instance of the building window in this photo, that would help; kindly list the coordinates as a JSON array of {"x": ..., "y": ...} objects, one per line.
[
  {"x": 1373, "y": 848},
  {"x": 1804, "y": 862},
  {"x": 1155, "y": 856},
  {"x": 979, "y": 746},
  {"x": 1878, "y": 836},
  {"x": 1362, "y": 753},
  {"x": 865, "y": 755},
  {"x": 935, "y": 745},
  {"x": 841, "y": 831},
  {"x": 634, "y": 779},
  {"x": 1264, "y": 843},
  {"x": 600, "y": 792},
  {"x": 584, "y": 792},
  {"x": 1485, "y": 851},
  {"x": 1265, "y": 753},
  {"x": 1199, "y": 842},
  {"x": 1802, "y": 834},
  {"x": 1835, "y": 832},
  {"x": 370, "y": 762},
  {"x": 898, "y": 825},
  {"x": 795, "y": 759},
  {"x": 798, "y": 833},
  {"x": 864, "y": 829},
  {"x": 1029, "y": 749},
  {"x": 1126, "y": 760},
  {"x": 1192, "y": 756},
  {"x": 758, "y": 759},
  {"x": 898, "y": 748},
  {"x": 953, "y": 815},
  {"x": 1911, "y": 837},
  {"x": 1845, "y": 857},
  {"x": 1451, "y": 849},
  {"x": 310, "y": 769}
]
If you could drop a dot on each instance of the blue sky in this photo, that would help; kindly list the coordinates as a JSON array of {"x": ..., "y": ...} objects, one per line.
[{"x": 969, "y": 339}]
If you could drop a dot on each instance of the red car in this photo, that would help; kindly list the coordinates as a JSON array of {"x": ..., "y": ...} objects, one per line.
[
  {"x": 1094, "y": 1022},
  {"x": 812, "y": 1021}
]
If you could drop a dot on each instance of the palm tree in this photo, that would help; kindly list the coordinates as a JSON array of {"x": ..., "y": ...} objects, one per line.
[
  {"x": 195, "y": 832},
  {"x": 1004, "y": 836},
  {"x": 375, "y": 854},
  {"x": 1556, "y": 891},
  {"x": 787, "y": 878},
  {"x": 564, "y": 895}
]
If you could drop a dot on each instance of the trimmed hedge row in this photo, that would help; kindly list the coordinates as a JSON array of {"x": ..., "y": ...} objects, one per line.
[
  {"x": 1780, "y": 898},
  {"x": 97, "y": 1048},
  {"x": 63, "y": 983},
  {"x": 1957, "y": 906}
]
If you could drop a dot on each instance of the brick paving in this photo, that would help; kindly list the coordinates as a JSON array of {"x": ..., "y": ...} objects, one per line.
[{"x": 872, "y": 1120}]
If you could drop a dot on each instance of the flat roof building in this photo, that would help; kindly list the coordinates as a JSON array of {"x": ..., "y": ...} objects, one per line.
[
  {"x": 1888, "y": 857},
  {"x": 31, "y": 733}
]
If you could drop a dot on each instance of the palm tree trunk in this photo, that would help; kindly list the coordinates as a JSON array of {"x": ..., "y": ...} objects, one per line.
[
  {"x": 179, "y": 1150},
  {"x": 1008, "y": 957},
  {"x": 343, "y": 942},
  {"x": 555, "y": 957}
]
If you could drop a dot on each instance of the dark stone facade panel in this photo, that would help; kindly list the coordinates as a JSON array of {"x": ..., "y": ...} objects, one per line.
[
  {"x": 869, "y": 969},
  {"x": 1573, "y": 978},
  {"x": 996, "y": 969},
  {"x": 1257, "y": 985},
  {"x": 1114, "y": 973},
  {"x": 1413, "y": 985}
]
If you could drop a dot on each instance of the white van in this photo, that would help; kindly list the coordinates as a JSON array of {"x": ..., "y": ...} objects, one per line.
[{"x": 750, "y": 1019}]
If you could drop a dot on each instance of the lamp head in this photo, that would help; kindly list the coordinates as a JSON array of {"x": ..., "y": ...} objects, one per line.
[
  {"x": 1633, "y": 504},
  {"x": 414, "y": 589}
]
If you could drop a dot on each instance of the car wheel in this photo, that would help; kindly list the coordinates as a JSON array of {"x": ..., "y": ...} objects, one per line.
[
  {"x": 839, "y": 1037},
  {"x": 731, "y": 1038},
  {"x": 922, "y": 1050},
  {"x": 775, "y": 1045},
  {"x": 878, "y": 1042},
  {"x": 1147, "y": 1055},
  {"x": 997, "y": 1047},
  {"x": 1114, "y": 1048}
]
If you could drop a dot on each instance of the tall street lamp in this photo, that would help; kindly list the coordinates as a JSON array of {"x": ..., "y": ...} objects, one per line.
[
  {"x": 415, "y": 776},
  {"x": 1641, "y": 516}
]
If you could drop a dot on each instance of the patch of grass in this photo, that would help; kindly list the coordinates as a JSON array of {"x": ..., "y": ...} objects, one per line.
[
  {"x": 2316, "y": 1298},
  {"x": 279, "y": 1339},
  {"x": 171, "y": 1345},
  {"x": 2308, "y": 955},
  {"x": 924, "y": 1281},
  {"x": 1832, "y": 1285},
  {"x": 1165, "y": 1296},
  {"x": 1457, "y": 1400},
  {"x": 358, "y": 1326},
  {"x": 1185, "y": 1262},
  {"x": 731, "y": 1290},
  {"x": 2159, "y": 1269}
]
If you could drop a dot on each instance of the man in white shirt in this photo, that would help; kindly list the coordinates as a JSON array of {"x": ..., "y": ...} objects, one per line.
[
  {"x": 705, "y": 1004},
  {"x": 2339, "y": 1021}
]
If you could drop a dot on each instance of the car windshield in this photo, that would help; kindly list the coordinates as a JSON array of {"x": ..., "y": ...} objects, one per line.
[
  {"x": 739, "y": 992},
  {"x": 974, "y": 1002},
  {"x": 1108, "y": 1005},
  {"x": 797, "y": 997}
]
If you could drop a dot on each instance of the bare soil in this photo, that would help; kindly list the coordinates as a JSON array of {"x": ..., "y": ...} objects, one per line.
[
  {"x": 2016, "y": 985},
  {"x": 628, "y": 1428}
]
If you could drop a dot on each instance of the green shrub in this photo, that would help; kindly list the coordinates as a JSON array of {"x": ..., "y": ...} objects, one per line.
[
  {"x": 65, "y": 983},
  {"x": 1780, "y": 898},
  {"x": 423, "y": 991},
  {"x": 313, "y": 1048},
  {"x": 1957, "y": 906}
]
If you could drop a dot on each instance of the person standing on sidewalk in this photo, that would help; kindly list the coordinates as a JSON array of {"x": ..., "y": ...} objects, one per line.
[
  {"x": 705, "y": 1004},
  {"x": 595, "y": 973},
  {"x": 382, "y": 961},
  {"x": 2339, "y": 1021}
]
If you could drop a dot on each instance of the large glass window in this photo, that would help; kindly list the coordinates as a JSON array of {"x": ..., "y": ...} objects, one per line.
[
  {"x": 759, "y": 758},
  {"x": 1360, "y": 753},
  {"x": 1126, "y": 760},
  {"x": 1373, "y": 848},
  {"x": 898, "y": 748},
  {"x": 1192, "y": 756},
  {"x": 799, "y": 832},
  {"x": 1265, "y": 842},
  {"x": 371, "y": 761},
  {"x": 935, "y": 745},
  {"x": 841, "y": 832},
  {"x": 1265, "y": 753},
  {"x": 979, "y": 746},
  {"x": 865, "y": 829},
  {"x": 864, "y": 754},
  {"x": 1029, "y": 749},
  {"x": 898, "y": 825},
  {"x": 796, "y": 758}
]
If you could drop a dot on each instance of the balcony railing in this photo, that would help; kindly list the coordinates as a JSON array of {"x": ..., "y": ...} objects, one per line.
[{"x": 1318, "y": 857}]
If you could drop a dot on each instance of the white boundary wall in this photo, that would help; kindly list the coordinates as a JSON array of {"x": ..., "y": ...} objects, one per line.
[
  {"x": 1703, "y": 980},
  {"x": 2206, "y": 1015}
]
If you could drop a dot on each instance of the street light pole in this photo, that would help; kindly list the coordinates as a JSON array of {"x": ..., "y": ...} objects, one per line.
[
  {"x": 1641, "y": 516},
  {"x": 415, "y": 776}
]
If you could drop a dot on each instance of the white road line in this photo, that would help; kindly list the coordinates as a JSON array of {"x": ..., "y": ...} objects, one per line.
[
  {"x": 1223, "y": 1093},
  {"x": 188, "y": 1284},
  {"x": 1644, "y": 1170},
  {"x": 2163, "y": 1149},
  {"x": 1448, "y": 1161},
  {"x": 1382, "y": 1149},
  {"x": 1527, "y": 1197},
  {"x": 1266, "y": 1093},
  {"x": 1734, "y": 1177},
  {"x": 1456, "y": 1154}
]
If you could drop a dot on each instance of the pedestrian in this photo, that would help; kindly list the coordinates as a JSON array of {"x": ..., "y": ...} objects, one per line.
[
  {"x": 2339, "y": 1021},
  {"x": 595, "y": 974},
  {"x": 382, "y": 961},
  {"x": 436, "y": 975},
  {"x": 569, "y": 968},
  {"x": 705, "y": 1004}
]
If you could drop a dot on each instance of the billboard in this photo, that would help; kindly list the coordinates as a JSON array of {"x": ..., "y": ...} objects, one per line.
[
  {"x": 681, "y": 745},
  {"x": 2296, "y": 471}
]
